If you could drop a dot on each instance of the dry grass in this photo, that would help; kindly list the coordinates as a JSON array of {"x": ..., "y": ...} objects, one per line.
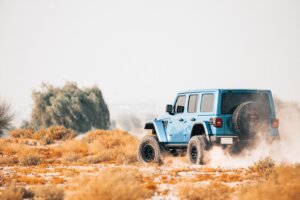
[
  {"x": 22, "y": 133},
  {"x": 229, "y": 178},
  {"x": 213, "y": 191},
  {"x": 29, "y": 180},
  {"x": 262, "y": 169},
  {"x": 48, "y": 192},
  {"x": 9, "y": 147},
  {"x": 283, "y": 183},
  {"x": 15, "y": 193},
  {"x": 30, "y": 159},
  {"x": 111, "y": 184},
  {"x": 3, "y": 179},
  {"x": 97, "y": 146},
  {"x": 45, "y": 136},
  {"x": 57, "y": 180},
  {"x": 101, "y": 146},
  {"x": 6, "y": 160}
]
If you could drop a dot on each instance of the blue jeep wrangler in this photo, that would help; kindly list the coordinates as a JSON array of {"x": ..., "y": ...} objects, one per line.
[{"x": 202, "y": 118}]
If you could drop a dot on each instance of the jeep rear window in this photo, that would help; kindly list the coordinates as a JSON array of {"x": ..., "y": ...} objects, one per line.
[
  {"x": 231, "y": 100},
  {"x": 207, "y": 103}
]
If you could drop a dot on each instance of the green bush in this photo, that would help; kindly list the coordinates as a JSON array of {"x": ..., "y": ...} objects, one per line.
[
  {"x": 6, "y": 116},
  {"x": 71, "y": 107}
]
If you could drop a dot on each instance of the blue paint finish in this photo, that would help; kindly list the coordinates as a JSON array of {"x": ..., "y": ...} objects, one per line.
[
  {"x": 160, "y": 130},
  {"x": 180, "y": 125}
]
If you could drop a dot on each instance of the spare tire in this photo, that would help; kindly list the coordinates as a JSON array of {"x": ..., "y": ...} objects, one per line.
[{"x": 249, "y": 118}]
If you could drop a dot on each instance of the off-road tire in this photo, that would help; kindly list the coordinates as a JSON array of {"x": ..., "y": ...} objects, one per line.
[
  {"x": 197, "y": 149},
  {"x": 241, "y": 122},
  {"x": 149, "y": 150}
]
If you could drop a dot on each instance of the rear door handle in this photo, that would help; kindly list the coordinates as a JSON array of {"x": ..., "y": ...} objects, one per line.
[
  {"x": 193, "y": 119},
  {"x": 181, "y": 120}
]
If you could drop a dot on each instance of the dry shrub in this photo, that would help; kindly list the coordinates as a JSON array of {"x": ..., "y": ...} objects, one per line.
[
  {"x": 74, "y": 146},
  {"x": 29, "y": 159},
  {"x": 116, "y": 145},
  {"x": 283, "y": 183},
  {"x": 48, "y": 192},
  {"x": 213, "y": 191},
  {"x": 22, "y": 133},
  {"x": 3, "y": 179},
  {"x": 54, "y": 133},
  {"x": 110, "y": 138},
  {"x": 71, "y": 157},
  {"x": 8, "y": 147},
  {"x": 8, "y": 160},
  {"x": 112, "y": 184},
  {"x": 15, "y": 193},
  {"x": 263, "y": 168},
  {"x": 46, "y": 136},
  {"x": 101, "y": 146},
  {"x": 72, "y": 150}
]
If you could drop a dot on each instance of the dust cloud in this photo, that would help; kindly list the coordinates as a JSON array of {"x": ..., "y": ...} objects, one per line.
[{"x": 286, "y": 150}]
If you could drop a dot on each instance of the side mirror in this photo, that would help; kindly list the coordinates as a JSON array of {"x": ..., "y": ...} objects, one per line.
[
  {"x": 169, "y": 109},
  {"x": 180, "y": 109}
]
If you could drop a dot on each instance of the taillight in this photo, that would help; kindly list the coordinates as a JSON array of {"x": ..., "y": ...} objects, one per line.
[
  {"x": 216, "y": 122},
  {"x": 275, "y": 123}
]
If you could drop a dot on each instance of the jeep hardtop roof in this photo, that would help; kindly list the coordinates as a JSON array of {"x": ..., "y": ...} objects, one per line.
[{"x": 223, "y": 90}]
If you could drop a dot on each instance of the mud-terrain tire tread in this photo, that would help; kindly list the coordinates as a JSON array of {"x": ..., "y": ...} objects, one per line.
[
  {"x": 236, "y": 117},
  {"x": 201, "y": 145},
  {"x": 152, "y": 141}
]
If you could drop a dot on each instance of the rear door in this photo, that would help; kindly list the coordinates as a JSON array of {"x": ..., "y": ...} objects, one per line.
[
  {"x": 191, "y": 115},
  {"x": 208, "y": 109}
]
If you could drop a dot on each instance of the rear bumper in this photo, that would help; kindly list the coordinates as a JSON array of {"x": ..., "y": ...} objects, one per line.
[{"x": 230, "y": 140}]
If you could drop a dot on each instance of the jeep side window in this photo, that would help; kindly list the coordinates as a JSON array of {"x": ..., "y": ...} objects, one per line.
[
  {"x": 207, "y": 103},
  {"x": 193, "y": 103},
  {"x": 179, "y": 105}
]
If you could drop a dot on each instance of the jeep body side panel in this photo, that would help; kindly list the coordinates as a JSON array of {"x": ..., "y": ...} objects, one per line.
[
  {"x": 200, "y": 116},
  {"x": 158, "y": 126},
  {"x": 207, "y": 130}
]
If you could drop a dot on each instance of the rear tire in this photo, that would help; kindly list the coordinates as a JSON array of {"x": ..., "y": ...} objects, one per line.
[
  {"x": 196, "y": 149},
  {"x": 149, "y": 150}
]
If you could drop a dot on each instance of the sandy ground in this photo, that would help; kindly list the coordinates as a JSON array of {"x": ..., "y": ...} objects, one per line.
[{"x": 163, "y": 179}]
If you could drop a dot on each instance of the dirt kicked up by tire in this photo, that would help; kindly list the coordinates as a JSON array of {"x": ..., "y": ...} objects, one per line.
[{"x": 149, "y": 150}]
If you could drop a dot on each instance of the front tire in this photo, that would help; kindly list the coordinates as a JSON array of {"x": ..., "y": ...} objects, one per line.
[
  {"x": 196, "y": 150},
  {"x": 149, "y": 150}
]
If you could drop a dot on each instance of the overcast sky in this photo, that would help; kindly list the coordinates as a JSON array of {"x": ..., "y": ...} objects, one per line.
[{"x": 146, "y": 51}]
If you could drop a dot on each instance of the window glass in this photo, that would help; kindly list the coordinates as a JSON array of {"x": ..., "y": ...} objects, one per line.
[
  {"x": 180, "y": 102},
  {"x": 231, "y": 100},
  {"x": 193, "y": 102},
  {"x": 207, "y": 103}
]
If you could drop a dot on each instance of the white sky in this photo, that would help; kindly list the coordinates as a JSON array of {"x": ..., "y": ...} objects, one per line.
[{"x": 146, "y": 51}]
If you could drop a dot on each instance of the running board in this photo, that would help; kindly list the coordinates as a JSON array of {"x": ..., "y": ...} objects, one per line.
[{"x": 175, "y": 145}]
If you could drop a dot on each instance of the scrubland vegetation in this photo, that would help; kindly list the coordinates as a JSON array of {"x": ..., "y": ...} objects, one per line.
[
  {"x": 80, "y": 109},
  {"x": 6, "y": 116},
  {"x": 103, "y": 165},
  {"x": 112, "y": 184}
]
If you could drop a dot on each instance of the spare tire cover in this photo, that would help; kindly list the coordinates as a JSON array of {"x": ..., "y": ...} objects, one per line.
[{"x": 250, "y": 118}]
